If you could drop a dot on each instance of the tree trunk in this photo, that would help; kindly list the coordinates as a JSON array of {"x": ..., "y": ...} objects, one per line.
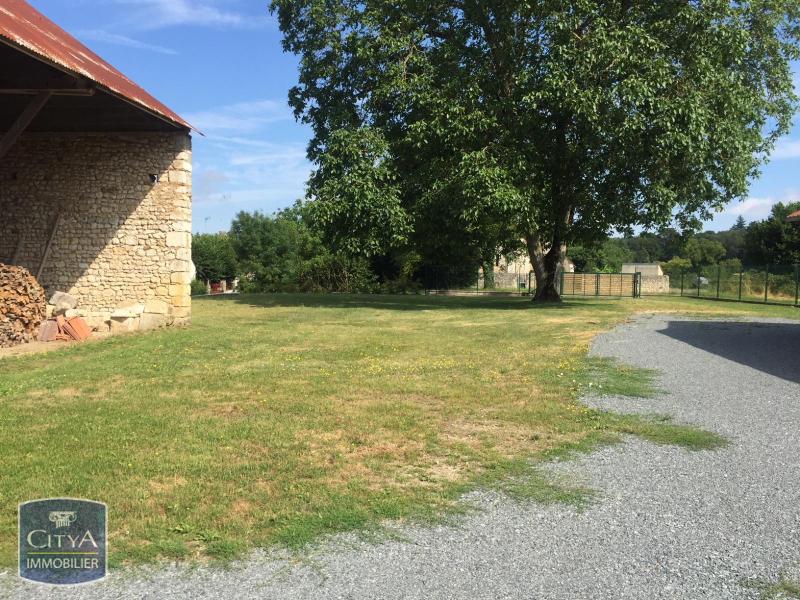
[
  {"x": 488, "y": 276},
  {"x": 545, "y": 268}
]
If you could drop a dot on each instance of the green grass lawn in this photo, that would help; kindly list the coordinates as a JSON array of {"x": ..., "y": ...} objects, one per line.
[{"x": 277, "y": 418}]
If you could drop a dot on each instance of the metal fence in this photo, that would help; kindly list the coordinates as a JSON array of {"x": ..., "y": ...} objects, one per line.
[
  {"x": 772, "y": 284},
  {"x": 458, "y": 282}
]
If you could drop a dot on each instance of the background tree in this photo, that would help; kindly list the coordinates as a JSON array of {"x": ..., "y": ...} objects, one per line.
[
  {"x": 702, "y": 252},
  {"x": 282, "y": 253},
  {"x": 271, "y": 248},
  {"x": 774, "y": 241},
  {"x": 213, "y": 256},
  {"x": 557, "y": 120},
  {"x": 675, "y": 266},
  {"x": 605, "y": 257}
]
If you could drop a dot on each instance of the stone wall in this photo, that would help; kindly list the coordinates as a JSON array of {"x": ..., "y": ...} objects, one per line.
[
  {"x": 122, "y": 246},
  {"x": 655, "y": 284}
]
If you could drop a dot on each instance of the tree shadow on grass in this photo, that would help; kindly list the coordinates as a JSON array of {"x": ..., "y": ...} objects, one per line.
[
  {"x": 773, "y": 348},
  {"x": 395, "y": 302}
]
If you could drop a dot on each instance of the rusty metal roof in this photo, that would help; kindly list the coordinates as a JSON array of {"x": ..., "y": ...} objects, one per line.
[{"x": 29, "y": 30}]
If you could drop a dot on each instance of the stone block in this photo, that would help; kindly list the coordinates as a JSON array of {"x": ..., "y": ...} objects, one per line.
[
  {"x": 124, "y": 324},
  {"x": 183, "y": 254},
  {"x": 176, "y": 266},
  {"x": 64, "y": 298},
  {"x": 181, "y": 312},
  {"x": 127, "y": 310},
  {"x": 61, "y": 308},
  {"x": 180, "y": 177},
  {"x": 152, "y": 321},
  {"x": 155, "y": 306},
  {"x": 182, "y": 301},
  {"x": 97, "y": 323},
  {"x": 181, "y": 277},
  {"x": 178, "y": 239}
]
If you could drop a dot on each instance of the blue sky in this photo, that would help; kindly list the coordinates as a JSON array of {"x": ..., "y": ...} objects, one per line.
[{"x": 219, "y": 64}]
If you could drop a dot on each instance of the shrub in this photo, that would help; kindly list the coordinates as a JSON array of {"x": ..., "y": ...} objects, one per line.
[
  {"x": 336, "y": 273},
  {"x": 198, "y": 288}
]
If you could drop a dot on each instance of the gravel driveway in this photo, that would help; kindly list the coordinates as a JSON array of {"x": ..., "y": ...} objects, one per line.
[{"x": 668, "y": 523}]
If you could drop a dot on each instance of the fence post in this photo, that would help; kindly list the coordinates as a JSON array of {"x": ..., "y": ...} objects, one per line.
[
  {"x": 766, "y": 284},
  {"x": 797, "y": 285},
  {"x": 682, "y": 274},
  {"x": 741, "y": 277},
  {"x": 719, "y": 276},
  {"x": 697, "y": 276},
  {"x": 561, "y": 281},
  {"x": 597, "y": 284}
]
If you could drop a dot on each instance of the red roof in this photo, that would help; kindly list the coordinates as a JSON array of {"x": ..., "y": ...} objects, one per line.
[
  {"x": 28, "y": 29},
  {"x": 795, "y": 216}
]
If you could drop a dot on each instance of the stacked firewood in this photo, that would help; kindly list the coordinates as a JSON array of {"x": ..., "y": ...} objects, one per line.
[{"x": 23, "y": 306}]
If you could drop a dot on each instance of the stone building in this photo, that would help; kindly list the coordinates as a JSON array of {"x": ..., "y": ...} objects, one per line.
[
  {"x": 652, "y": 279},
  {"x": 95, "y": 178}
]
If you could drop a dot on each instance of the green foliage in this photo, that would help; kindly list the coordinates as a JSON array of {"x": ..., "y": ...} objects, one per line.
[
  {"x": 336, "y": 273},
  {"x": 282, "y": 253},
  {"x": 702, "y": 252},
  {"x": 213, "y": 256},
  {"x": 198, "y": 288},
  {"x": 675, "y": 266},
  {"x": 774, "y": 240},
  {"x": 731, "y": 264},
  {"x": 358, "y": 203},
  {"x": 551, "y": 122},
  {"x": 270, "y": 249},
  {"x": 605, "y": 257}
]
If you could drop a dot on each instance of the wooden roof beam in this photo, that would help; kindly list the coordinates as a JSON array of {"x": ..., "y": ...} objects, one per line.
[
  {"x": 51, "y": 91},
  {"x": 21, "y": 124}
]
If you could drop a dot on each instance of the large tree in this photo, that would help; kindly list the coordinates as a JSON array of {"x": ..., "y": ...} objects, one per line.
[
  {"x": 213, "y": 256},
  {"x": 774, "y": 241},
  {"x": 554, "y": 121}
]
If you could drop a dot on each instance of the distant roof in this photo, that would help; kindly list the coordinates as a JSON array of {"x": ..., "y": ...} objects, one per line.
[
  {"x": 26, "y": 28},
  {"x": 795, "y": 216},
  {"x": 644, "y": 268}
]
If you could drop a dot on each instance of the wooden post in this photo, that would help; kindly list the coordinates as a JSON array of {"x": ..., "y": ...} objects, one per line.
[{"x": 47, "y": 247}]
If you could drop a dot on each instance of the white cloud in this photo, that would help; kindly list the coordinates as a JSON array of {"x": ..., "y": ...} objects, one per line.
[
  {"x": 241, "y": 167},
  {"x": 760, "y": 208},
  {"x": 786, "y": 149},
  {"x": 281, "y": 155},
  {"x": 154, "y": 14},
  {"x": 272, "y": 179},
  {"x": 100, "y": 35},
  {"x": 752, "y": 207},
  {"x": 240, "y": 118}
]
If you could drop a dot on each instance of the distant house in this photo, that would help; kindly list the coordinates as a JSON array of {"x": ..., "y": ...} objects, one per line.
[
  {"x": 646, "y": 269},
  {"x": 223, "y": 286},
  {"x": 794, "y": 217}
]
